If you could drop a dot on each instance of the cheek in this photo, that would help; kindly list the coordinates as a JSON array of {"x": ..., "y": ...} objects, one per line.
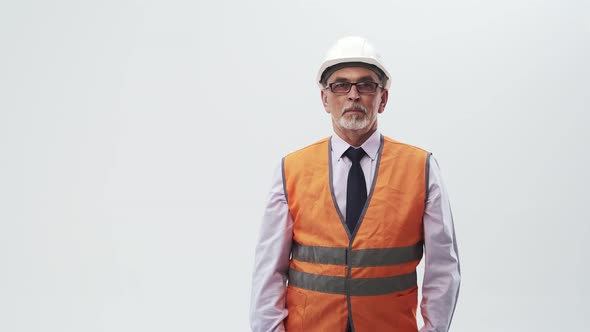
[
  {"x": 333, "y": 110},
  {"x": 334, "y": 106},
  {"x": 377, "y": 104}
]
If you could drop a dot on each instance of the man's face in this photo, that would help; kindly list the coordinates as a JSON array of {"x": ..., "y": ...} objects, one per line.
[{"x": 353, "y": 111}]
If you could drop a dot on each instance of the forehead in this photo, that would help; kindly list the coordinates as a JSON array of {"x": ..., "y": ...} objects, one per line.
[{"x": 353, "y": 74}]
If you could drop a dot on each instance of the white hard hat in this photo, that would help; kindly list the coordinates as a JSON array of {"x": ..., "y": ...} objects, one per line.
[{"x": 356, "y": 50}]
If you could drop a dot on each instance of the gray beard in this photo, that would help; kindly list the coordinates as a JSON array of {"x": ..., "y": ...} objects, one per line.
[{"x": 354, "y": 122}]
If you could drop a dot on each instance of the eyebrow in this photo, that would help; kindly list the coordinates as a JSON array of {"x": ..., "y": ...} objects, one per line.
[{"x": 361, "y": 79}]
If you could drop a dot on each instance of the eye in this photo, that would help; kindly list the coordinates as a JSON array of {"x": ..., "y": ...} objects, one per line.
[
  {"x": 340, "y": 86},
  {"x": 367, "y": 86}
]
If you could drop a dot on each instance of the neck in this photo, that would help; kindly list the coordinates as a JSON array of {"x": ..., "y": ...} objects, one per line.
[{"x": 355, "y": 138}]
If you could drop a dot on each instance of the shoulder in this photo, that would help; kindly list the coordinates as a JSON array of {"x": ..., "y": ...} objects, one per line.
[
  {"x": 397, "y": 145},
  {"x": 313, "y": 155},
  {"x": 311, "y": 148}
]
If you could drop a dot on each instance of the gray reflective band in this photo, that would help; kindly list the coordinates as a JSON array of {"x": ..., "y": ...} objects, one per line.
[
  {"x": 427, "y": 178},
  {"x": 359, "y": 257},
  {"x": 386, "y": 256},
  {"x": 357, "y": 287},
  {"x": 316, "y": 282},
  {"x": 284, "y": 179},
  {"x": 320, "y": 255}
]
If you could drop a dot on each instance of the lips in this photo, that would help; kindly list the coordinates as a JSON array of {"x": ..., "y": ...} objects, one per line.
[{"x": 354, "y": 110}]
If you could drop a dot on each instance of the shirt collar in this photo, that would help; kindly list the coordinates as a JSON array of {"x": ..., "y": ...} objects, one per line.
[{"x": 371, "y": 145}]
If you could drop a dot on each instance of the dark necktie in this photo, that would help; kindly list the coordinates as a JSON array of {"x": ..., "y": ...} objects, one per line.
[{"x": 356, "y": 189}]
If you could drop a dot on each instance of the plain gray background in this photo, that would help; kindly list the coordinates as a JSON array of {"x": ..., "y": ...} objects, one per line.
[{"x": 138, "y": 140}]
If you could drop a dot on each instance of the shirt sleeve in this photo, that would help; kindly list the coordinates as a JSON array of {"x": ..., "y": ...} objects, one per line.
[
  {"x": 442, "y": 273},
  {"x": 271, "y": 262}
]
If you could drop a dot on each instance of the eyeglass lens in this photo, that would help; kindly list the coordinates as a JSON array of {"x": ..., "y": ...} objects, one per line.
[{"x": 362, "y": 87}]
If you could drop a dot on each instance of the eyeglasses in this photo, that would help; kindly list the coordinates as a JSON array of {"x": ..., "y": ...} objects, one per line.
[{"x": 361, "y": 87}]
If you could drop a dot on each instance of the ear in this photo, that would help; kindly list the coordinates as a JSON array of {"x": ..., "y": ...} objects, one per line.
[
  {"x": 384, "y": 98},
  {"x": 324, "y": 96}
]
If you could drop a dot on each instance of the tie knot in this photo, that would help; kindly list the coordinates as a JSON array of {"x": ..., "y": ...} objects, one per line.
[{"x": 355, "y": 155}]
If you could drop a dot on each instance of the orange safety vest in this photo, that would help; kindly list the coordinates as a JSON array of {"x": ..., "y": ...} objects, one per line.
[{"x": 367, "y": 277}]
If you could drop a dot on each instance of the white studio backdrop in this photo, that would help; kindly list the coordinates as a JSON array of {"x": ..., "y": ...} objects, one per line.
[{"x": 138, "y": 141}]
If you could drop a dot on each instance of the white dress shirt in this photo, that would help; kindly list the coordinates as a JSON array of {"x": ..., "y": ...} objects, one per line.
[{"x": 440, "y": 286}]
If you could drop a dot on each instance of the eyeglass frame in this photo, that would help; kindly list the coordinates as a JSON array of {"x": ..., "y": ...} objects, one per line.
[{"x": 377, "y": 85}]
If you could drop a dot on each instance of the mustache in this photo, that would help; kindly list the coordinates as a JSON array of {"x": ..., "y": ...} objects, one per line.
[{"x": 355, "y": 107}]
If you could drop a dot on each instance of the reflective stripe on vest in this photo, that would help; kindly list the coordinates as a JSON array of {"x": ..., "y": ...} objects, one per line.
[
  {"x": 357, "y": 287},
  {"x": 359, "y": 257}
]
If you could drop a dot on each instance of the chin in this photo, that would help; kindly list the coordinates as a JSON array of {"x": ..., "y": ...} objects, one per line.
[{"x": 354, "y": 123}]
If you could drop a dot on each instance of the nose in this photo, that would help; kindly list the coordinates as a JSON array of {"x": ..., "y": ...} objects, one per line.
[{"x": 353, "y": 94}]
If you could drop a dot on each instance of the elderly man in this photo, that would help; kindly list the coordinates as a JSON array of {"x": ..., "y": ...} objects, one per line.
[{"x": 349, "y": 218}]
